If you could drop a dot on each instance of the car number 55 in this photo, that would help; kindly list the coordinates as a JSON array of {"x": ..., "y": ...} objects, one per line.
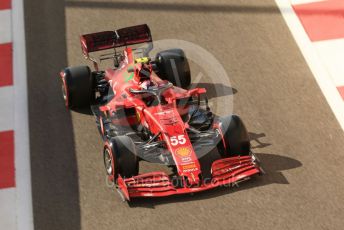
[{"x": 180, "y": 139}]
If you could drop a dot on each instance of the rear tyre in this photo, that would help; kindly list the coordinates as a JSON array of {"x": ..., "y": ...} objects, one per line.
[
  {"x": 236, "y": 141},
  {"x": 77, "y": 87},
  {"x": 120, "y": 158},
  {"x": 173, "y": 66}
]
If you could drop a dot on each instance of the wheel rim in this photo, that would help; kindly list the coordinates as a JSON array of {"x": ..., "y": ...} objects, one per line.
[
  {"x": 108, "y": 161},
  {"x": 64, "y": 92}
]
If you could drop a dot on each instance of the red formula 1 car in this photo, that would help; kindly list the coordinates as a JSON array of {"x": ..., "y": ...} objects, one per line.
[{"x": 142, "y": 115}]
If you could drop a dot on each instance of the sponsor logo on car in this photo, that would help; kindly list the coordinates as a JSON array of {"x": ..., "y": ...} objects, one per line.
[
  {"x": 183, "y": 152},
  {"x": 186, "y": 159},
  {"x": 189, "y": 167}
]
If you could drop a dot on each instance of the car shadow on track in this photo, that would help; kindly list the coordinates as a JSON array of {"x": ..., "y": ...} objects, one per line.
[
  {"x": 86, "y": 111},
  {"x": 273, "y": 165},
  {"x": 258, "y": 144}
]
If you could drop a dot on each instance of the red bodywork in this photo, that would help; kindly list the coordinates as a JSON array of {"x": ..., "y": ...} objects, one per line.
[{"x": 165, "y": 119}]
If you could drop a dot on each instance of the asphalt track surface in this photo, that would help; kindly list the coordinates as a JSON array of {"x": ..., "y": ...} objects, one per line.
[{"x": 299, "y": 141}]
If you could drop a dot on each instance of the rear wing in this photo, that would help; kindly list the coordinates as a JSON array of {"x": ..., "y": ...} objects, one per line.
[{"x": 113, "y": 39}]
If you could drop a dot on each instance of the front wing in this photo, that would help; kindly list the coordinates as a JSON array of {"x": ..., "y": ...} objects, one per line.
[{"x": 225, "y": 171}]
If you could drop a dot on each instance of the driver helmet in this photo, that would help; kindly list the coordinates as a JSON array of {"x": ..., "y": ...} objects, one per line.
[{"x": 143, "y": 75}]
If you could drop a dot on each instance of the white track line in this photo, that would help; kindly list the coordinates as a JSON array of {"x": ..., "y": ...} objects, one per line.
[
  {"x": 8, "y": 209},
  {"x": 6, "y": 108},
  {"x": 315, "y": 64},
  {"x": 331, "y": 52},
  {"x": 5, "y": 28},
  {"x": 22, "y": 148}
]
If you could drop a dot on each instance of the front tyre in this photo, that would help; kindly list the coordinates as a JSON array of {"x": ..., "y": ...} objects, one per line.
[
  {"x": 120, "y": 158},
  {"x": 235, "y": 140}
]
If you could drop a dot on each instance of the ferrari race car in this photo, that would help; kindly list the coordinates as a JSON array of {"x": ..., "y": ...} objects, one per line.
[{"x": 145, "y": 111}]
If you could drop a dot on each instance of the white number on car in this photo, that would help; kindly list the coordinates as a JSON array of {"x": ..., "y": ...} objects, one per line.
[{"x": 178, "y": 140}]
